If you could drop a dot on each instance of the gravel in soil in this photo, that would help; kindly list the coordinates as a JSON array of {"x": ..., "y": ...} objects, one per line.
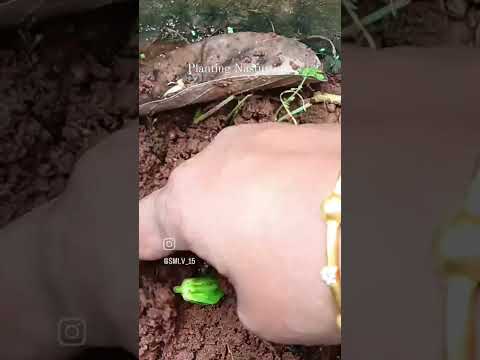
[{"x": 169, "y": 328}]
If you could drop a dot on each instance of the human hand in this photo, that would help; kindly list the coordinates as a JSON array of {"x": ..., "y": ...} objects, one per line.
[
  {"x": 250, "y": 204},
  {"x": 72, "y": 258}
]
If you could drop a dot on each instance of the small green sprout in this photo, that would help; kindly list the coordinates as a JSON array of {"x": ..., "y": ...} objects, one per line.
[
  {"x": 306, "y": 73},
  {"x": 142, "y": 56},
  {"x": 202, "y": 290},
  {"x": 311, "y": 72}
]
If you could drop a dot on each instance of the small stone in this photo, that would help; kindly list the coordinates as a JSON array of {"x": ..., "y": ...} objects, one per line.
[{"x": 172, "y": 135}]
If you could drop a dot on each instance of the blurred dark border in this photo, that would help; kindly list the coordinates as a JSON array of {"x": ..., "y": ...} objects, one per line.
[
  {"x": 410, "y": 137},
  {"x": 67, "y": 84}
]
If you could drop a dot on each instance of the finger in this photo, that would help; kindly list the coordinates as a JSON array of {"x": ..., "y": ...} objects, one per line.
[{"x": 156, "y": 239}]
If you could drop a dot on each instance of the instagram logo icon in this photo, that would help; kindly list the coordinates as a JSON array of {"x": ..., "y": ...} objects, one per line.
[
  {"x": 72, "y": 332},
  {"x": 169, "y": 244}
]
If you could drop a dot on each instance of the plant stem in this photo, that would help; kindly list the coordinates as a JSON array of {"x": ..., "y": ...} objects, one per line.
[
  {"x": 297, "y": 111},
  {"x": 319, "y": 97},
  {"x": 349, "y": 7},
  {"x": 375, "y": 16},
  {"x": 286, "y": 103},
  {"x": 213, "y": 110},
  {"x": 237, "y": 108},
  {"x": 313, "y": 37},
  {"x": 297, "y": 90}
]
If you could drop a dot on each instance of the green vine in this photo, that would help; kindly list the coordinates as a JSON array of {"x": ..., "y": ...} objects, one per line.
[{"x": 306, "y": 73}]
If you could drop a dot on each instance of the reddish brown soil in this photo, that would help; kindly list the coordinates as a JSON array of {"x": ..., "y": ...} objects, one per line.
[
  {"x": 63, "y": 85},
  {"x": 172, "y": 138},
  {"x": 169, "y": 328}
]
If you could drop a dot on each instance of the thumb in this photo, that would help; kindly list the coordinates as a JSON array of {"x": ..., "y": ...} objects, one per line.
[{"x": 156, "y": 237}]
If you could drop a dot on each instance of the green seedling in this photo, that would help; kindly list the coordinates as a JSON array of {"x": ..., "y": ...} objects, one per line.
[
  {"x": 313, "y": 73},
  {"x": 142, "y": 56},
  {"x": 202, "y": 290},
  {"x": 306, "y": 73}
]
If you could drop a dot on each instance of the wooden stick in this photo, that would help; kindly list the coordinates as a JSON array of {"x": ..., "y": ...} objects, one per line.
[
  {"x": 213, "y": 110},
  {"x": 319, "y": 97}
]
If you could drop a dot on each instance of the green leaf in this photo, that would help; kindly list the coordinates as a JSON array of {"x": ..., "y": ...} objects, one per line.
[
  {"x": 197, "y": 115},
  {"x": 314, "y": 73},
  {"x": 142, "y": 56},
  {"x": 202, "y": 290}
]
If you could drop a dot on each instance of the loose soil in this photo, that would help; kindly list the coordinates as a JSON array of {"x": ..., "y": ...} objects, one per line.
[
  {"x": 169, "y": 328},
  {"x": 64, "y": 85}
]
